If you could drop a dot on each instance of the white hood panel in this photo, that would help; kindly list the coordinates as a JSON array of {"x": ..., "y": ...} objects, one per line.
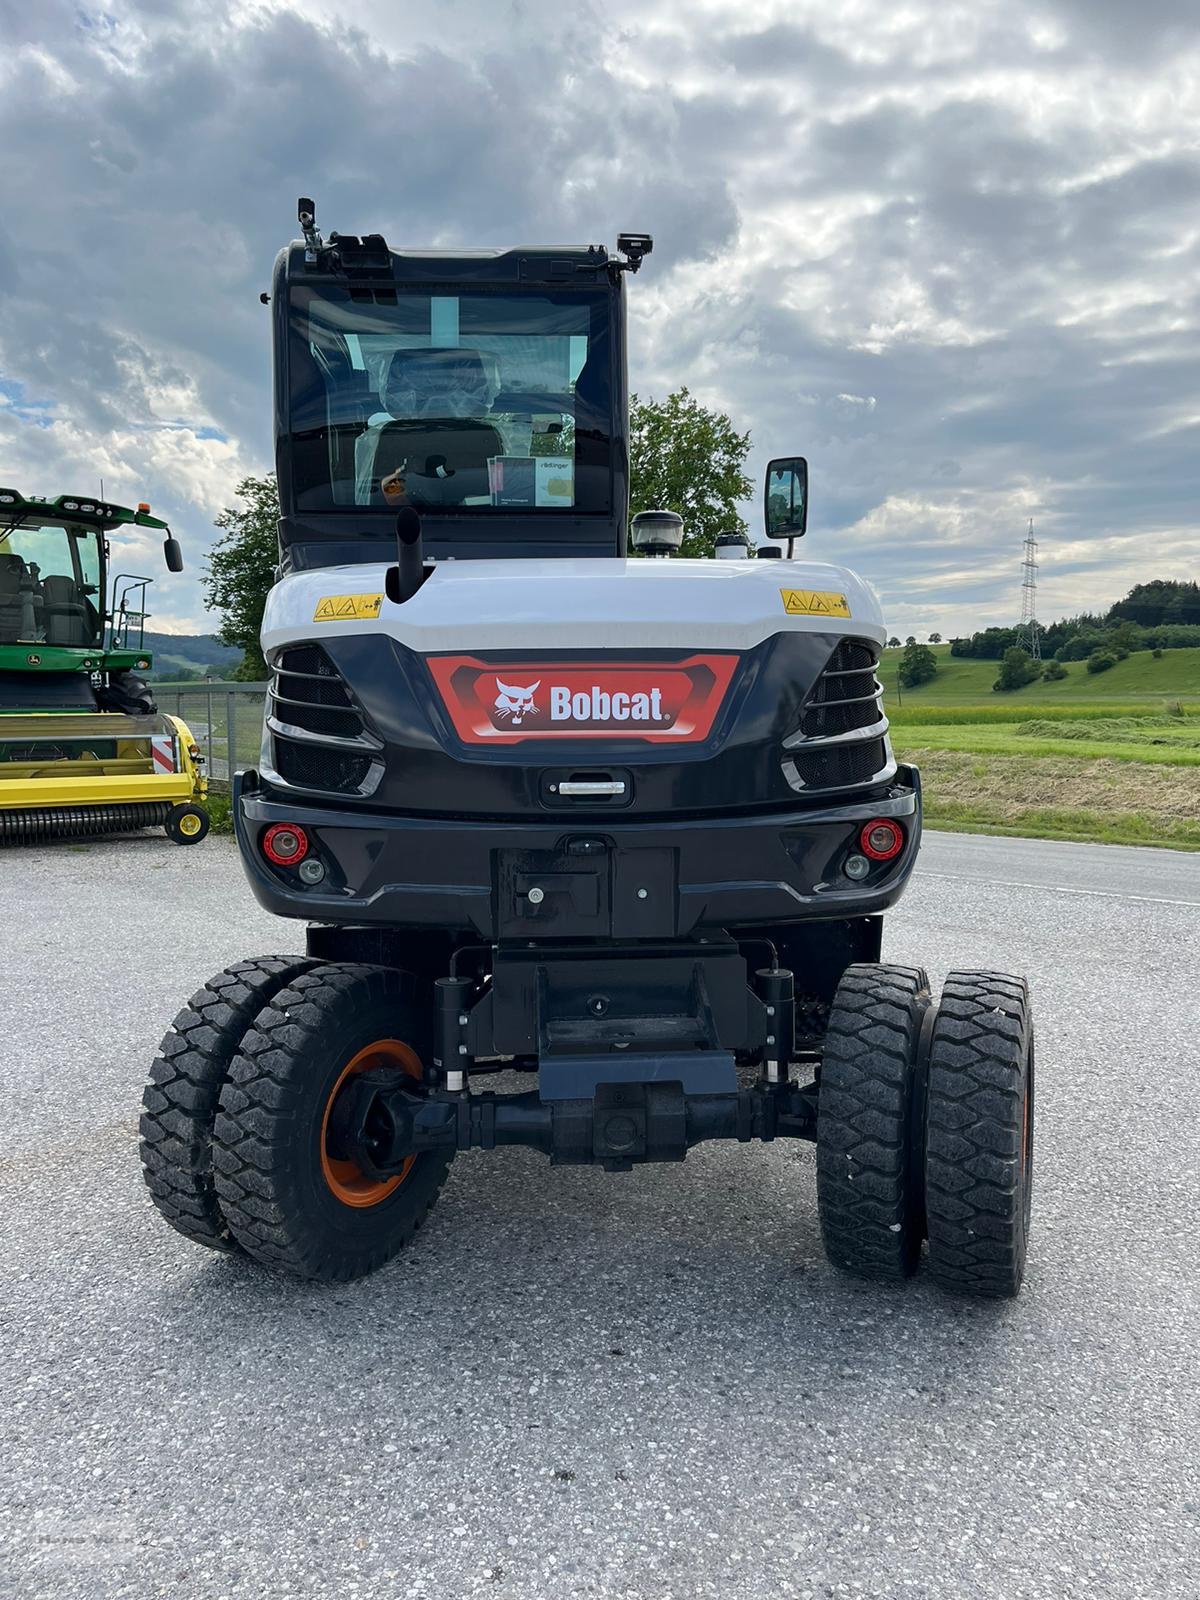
[{"x": 565, "y": 604}]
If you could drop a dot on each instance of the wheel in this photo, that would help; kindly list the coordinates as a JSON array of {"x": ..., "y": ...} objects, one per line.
[
  {"x": 180, "y": 1102},
  {"x": 289, "y": 1202},
  {"x": 186, "y": 823},
  {"x": 868, "y": 1122},
  {"x": 979, "y": 1134}
]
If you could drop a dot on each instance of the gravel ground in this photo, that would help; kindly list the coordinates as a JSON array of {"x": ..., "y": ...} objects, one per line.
[{"x": 579, "y": 1384}]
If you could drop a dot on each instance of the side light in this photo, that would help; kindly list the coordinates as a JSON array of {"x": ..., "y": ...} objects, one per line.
[
  {"x": 284, "y": 844},
  {"x": 881, "y": 839}
]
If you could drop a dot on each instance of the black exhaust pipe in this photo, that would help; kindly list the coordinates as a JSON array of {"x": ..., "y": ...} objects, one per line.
[{"x": 410, "y": 557}]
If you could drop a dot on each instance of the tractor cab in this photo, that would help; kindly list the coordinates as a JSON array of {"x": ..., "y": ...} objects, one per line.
[
  {"x": 484, "y": 389},
  {"x": 50, "y": 584},
  {"x": 55, "y": 610},
  {"x": 83, "y": 749}
]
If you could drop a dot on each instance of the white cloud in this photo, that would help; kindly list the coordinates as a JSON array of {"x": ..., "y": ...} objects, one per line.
[{"x": 947, "y": 249}]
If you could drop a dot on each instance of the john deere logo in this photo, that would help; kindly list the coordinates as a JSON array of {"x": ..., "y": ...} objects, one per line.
[{"x": 33, "y": 661}]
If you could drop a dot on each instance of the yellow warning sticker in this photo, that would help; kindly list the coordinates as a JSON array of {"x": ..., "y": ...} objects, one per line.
[
  {"x": 814, "y": 603},
  {"x": 347, "y": 607}
]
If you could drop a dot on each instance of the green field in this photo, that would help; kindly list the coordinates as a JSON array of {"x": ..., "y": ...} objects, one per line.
[
  {"x": 1174, "y": 675},
  {"x": 1109, "y": 756}
]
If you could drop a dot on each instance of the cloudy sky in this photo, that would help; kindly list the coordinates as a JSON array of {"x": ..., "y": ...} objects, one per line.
[{"x": 951, "y": 251}]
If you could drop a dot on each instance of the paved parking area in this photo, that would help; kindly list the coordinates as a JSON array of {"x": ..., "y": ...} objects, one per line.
[{"x": 577, "y": 1384}]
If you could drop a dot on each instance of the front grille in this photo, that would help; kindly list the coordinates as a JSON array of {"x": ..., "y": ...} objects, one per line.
[
  {"x": 321, "y": 739},
  {"x": 840, "y": 767},
  {"x": 313, "y": 691},
  {"x": 319, "y": 719},
  {"x": 853, "y": 655},
  {"x": 841, "y": 742},
  {"x": 846, "y": 695},
  {"x": 310, "y": 766},
  {"x": 307, "y": 658}
]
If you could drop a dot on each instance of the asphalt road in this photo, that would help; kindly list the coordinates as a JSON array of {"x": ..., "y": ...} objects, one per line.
[{"x": 578, "y": 1384}]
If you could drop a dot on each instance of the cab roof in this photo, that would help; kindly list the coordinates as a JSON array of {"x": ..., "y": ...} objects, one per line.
[{"x": 76, "y": 508}]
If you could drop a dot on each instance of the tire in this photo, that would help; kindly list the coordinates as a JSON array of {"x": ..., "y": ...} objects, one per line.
[
  {"x": 180, "y": 1102},
  {"x": 287, "y": 1202},
  {"x": 979, "y": 1134},
  {"x": 868, "y": 1122},
  {"x": 187, "y": 823}
]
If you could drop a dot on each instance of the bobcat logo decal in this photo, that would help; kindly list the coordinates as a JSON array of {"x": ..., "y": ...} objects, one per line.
[{"x": 515, "y": 702}]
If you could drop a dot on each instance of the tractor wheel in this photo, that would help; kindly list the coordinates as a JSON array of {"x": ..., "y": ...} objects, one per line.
[
  {"x": 180, "y": 1102},
  {"x": 289, "y": 1200},
  {"x": 186, "y": 823},
  {"x": 979, "y": 1134},
  {"x": 868, "y": 1122}
]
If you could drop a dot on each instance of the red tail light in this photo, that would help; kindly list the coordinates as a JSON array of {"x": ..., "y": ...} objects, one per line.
[
  {"x": 284, "y": 844},
  {"x": 881, "y": 839}
]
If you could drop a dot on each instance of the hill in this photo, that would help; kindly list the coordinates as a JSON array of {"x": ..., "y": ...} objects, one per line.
[
  {"x": 178, "y": 654},
  {"x": 1142, "y": 677},
  {"x": 1108, "y": 756}
]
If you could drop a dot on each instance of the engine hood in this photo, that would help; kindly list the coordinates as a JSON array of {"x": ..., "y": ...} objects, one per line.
[{"x": 586, "y": 604}]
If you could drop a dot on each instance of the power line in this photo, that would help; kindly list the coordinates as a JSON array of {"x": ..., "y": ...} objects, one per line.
[{"x": 1030, "y": 633}]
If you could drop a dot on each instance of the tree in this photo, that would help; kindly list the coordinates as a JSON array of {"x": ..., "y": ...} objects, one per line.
[
  {"x": 893, "y": 643},
  {"x": 912, "y": 639},
  {"x": 918, "y": 665},
  {"x": 1159, "y": 600},
  {"x": 241, "y": 569},
  {"x": 1053, "y": 671},
  {"x": 686, "y": 458},
  {"x": 935, "y": 638},
  {"x": 1018, "y": 669},
  {"x": 1101, "y": 661}
]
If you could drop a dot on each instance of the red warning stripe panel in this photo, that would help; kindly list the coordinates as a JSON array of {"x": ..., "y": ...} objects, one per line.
[
  {"x": 162, "y": 752},
  {"x": 660, "y": 702}
]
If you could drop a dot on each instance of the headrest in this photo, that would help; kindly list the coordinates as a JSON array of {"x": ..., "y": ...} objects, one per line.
[{"x": 438, "y": 383}]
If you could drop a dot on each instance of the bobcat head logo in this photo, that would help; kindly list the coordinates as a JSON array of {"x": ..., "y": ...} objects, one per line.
[{"x": 515, "y": 701}]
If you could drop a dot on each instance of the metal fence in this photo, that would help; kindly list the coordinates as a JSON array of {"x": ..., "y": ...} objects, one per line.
[{"x": 225, "y": 719}]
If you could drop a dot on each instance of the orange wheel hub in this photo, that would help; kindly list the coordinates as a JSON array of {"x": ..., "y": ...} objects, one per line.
[{"x": 346, "y": 1179}]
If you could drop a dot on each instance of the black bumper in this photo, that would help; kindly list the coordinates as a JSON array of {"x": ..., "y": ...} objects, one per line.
[{"x": 636, "y": 880}]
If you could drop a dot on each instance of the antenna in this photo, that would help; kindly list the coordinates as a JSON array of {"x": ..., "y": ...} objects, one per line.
[{"x": 1030, "y": 634}]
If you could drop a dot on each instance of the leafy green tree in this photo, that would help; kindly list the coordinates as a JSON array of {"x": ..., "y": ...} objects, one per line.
[
  {"x": 1159, "y": 600},
  {"x": 893, "y": 643},
  {"x": 912, "y": 639},
  {"x": 1101, "y": 661},
  {"x": 918, "y": 665},
  {"x": 686, "y": 458},
  {"x": 1017, "y": 669},
  {"x": 1053, "y": 671},
  {"x": 241, "y": 569},
  {"x": 935, "y": 638}
]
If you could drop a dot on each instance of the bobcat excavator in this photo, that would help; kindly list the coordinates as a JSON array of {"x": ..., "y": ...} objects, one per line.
[
  {"x": 555, "y": 809},
  {"x": 83, "y": 749}
]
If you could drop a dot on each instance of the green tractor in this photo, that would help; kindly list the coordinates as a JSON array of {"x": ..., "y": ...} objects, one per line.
[{"x": 83, "y": 749}]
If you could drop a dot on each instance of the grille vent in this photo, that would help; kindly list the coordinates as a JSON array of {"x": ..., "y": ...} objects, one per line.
[
  {"x": 320, "y": 738},
  {"x": 842, "y": 739}
]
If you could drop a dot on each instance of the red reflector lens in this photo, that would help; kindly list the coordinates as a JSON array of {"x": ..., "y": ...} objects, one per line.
[
  {"x": 881, "y": 840},
  {"x": 284, "y": 844}
]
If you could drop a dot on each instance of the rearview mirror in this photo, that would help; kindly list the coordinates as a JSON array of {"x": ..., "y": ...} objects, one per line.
[
  {"x": 785, "y": 498},
  {"x": 172, "y": 555}
]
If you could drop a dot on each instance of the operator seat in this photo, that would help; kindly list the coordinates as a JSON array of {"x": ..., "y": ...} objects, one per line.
[
  {"x": 20, "y": 600},
  {"x": 67, "y": 619},
  {"x": 444, "y": 452}
]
